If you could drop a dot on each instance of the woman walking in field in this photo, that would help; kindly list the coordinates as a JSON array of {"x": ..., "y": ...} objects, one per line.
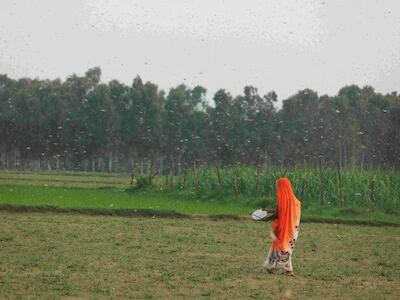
[{"x": 285, "y": 229}]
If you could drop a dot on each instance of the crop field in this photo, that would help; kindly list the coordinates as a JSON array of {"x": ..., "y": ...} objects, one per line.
[
  {"x": 51, "y": 256},
  {"x": 126, "y": 174},
  {"x": 366, "y": 189},
  {"x": 48, "y": 254},
  {"x": 95, "y": 191},
  {"x": 65, "y": 179}
]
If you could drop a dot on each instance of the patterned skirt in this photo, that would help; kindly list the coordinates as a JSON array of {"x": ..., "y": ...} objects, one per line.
[{"x": 278, "y": 261}]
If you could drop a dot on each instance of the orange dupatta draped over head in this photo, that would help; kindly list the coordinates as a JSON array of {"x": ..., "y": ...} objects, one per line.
[{"x": 289, "y": 209}]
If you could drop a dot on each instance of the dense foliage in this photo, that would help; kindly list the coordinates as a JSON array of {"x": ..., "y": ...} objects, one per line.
[{"x": 82, "y": 123}]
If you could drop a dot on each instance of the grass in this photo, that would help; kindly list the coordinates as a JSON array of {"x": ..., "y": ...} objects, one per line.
[
  {"x": 54, "y": 256},
  {"x": 51, "y": 255},
  {"x": 80, "y": 199},
  {"x": 65, "y": 179},
  {"x": 99, "y": 191},
  {"x": 113, "y": 199},
  {"x": 360, "y": 187}
]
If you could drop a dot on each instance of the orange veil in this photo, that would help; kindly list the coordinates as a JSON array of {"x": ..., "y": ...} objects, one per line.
[{"x": 289, "y": 210}]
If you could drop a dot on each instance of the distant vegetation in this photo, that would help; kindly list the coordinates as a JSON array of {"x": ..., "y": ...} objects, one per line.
[
  {"x": 328, "y": 187},
  {"x": 362, "y": 195},
  {"x": 83, "y": 124}
]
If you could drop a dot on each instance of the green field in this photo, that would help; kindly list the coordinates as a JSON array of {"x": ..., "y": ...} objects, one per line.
[
  {"x": 56, "y": 250},
  {"x": 353, "y": 187},
  {"x": 53, "y": 256},
  {"x": 99, "y": 191},
  {"x": 80, "y": 199},
  {"x": 65, "y": 179}
]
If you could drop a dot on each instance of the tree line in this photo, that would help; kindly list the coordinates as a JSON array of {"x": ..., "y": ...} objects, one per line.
[{"x": 84, "y": 124}]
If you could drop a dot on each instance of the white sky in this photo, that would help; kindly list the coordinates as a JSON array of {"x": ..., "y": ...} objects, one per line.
[{"x": 282, "y": 45}]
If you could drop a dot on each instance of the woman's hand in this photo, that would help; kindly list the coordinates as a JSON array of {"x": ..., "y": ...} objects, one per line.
[
  {"x": 269, "y": 218},
  {"x": 272, "y": 214}
]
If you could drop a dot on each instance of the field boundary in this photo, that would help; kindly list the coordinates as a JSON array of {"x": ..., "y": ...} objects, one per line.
[{"x": 152, "y": 213}]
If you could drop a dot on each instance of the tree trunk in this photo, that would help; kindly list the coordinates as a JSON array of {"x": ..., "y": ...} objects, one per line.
[
  {"x": 196, "y": 179},
  {"x": 99, "y": 165},
  {"x": 151, "y": 172},
  {"x": 184, "y": 177},
  {"x": 179, "y": 166},
  {"x": 110, "y": 162},
  {"x": 161, "y": 165},
  {"x": 219, "y": 178},
  {"x": 132, "y": 165},
  {"x": 257, "y": 180},
  {"x": 265, "y": 162},
  {"x": 171, "y": 179},
  {"x": 149, "y": 167}
]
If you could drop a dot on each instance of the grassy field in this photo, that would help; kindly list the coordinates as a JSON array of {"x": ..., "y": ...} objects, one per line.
[
  {"x": 53, "y": 256},
  {"x": 65, "y": 179},
  {"x": 82, "y": 190},
  {"x": 181, "y": 202},
  {"x": 358, "y": 188},
  {"x": 115, "y": 198},
  {"x": 368, "y": 188}
]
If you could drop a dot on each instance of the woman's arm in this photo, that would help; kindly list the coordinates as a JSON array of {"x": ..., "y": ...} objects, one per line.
[
  {"x": 269, "y": 218},
  {"x": 273, "y": 214}
]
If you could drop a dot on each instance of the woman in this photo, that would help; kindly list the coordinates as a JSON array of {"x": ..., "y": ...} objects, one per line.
[{"x": 285, "y": 229}]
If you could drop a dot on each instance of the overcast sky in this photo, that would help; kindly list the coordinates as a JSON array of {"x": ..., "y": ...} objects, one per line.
[{"x": 282, "y": 45}]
